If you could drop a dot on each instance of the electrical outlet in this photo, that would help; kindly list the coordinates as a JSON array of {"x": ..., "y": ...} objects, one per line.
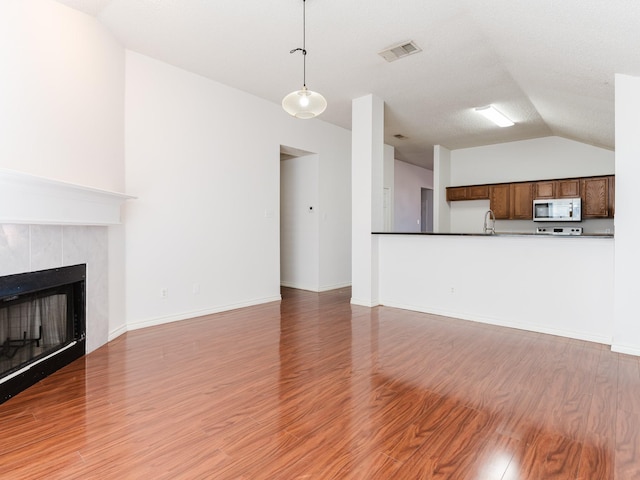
[
  {"x": 196, "y": 288},
  {"x": 164, "y": 292},
  {"x": 453, "y": 290}
]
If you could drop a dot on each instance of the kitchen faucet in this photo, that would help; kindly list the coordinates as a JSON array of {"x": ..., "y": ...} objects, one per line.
[{"x": 490, "y": 222}]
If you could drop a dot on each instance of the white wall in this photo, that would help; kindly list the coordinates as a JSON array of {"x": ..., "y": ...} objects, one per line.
[
  {"x": 299, "y": 239},
  {"x": 204, "y": 161},
  {"x": 627, "y": 261},
  {"x": 561, "y": 286},
  {"x": 333, "y": 145},
  {"x": 62, "y": 117},
  {"x": 468, "y": 217},
  {"x": 61, "y": 95},
  {"x": 409, "y": 181},
  {"x": 537, "y": 159}
]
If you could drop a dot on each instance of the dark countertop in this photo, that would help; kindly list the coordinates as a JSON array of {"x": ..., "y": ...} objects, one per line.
[{"x": 501, "y": 234}]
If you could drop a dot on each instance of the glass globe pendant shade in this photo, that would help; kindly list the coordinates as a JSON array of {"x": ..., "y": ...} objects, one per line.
[{"x": 304, "y": 103}]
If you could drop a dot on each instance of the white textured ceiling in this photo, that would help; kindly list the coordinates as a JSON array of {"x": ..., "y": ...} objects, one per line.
[{"x": 548, "y": 64}]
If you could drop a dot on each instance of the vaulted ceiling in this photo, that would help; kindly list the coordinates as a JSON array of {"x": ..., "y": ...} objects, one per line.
[{"x": 548, "y": 64}]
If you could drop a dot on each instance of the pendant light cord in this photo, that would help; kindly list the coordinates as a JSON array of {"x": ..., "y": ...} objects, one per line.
[
  {"x": 303, "y": 103},
  {"x": 304, "y": 44}
]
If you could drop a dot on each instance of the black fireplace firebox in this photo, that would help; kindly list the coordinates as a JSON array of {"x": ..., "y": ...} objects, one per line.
[{"x": 42, "y": 325}]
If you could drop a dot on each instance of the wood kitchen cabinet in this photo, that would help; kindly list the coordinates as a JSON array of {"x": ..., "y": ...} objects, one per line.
[
  {"x": 612, "y": 196},
  {"x": 521, "y": 201},
  {"x": 472, "y": 192},
  {"x": 515, "y": 200},
  {"x": 546, "y": 189},
  {"x": 595, "y": 197},
  {"x": 569, "y": 188},
  {"x": 456, "y": 193},
  {"x": 478, "y": 192},
  {"x": 499, "y": 200}
]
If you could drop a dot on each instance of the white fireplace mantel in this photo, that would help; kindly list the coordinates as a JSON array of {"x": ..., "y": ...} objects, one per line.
[{"x": 36, "y": 200}]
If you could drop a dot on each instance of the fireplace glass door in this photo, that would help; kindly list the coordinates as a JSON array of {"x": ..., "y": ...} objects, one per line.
[
  {"x": 33, "y": 326},
  {"x": 42, "y": 324}
]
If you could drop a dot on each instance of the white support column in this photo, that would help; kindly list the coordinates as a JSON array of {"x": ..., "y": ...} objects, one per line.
[
  {"x": 626, "y": 336},
  {"x": 441, "y": 180},
  {"x": 367, "y": 160}
]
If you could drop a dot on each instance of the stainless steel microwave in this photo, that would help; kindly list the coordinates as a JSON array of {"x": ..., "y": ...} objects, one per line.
[{"x": 557, "y": 210}]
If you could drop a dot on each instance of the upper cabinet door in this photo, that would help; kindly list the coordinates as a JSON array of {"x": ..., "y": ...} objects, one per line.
[
  {"x": 595, "y": 199},
  {"x": 546, "y": 189},
  {"x": 456, "y": 193},
  {"x": 521, "y": 201},
  {"x": 471, "y": 192},
  {"x": 612, "y": 196},
  {"x": 499, "y": 200},
  {"x": 477, "y": 192},
  {"x": 568, "y": 188}
]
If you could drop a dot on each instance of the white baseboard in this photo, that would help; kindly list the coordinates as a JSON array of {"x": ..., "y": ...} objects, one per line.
[
  {"x": 336, "y": 286},
  {"x": 324, "y": 288},
  {"x": 588, "y": 337},
  {"x": 363, "y": 303},
  {"x": 151, "y": 322},
  {"x": 117, "y": 332},
  {"x": 626, "y": 350},
  {"x": 297, "y": 286}
]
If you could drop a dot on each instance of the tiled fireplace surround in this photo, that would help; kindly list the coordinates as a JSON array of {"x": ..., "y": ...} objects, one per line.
[
  {"x": 47, "y": 223},
  {"x": 29, "y": 248}
]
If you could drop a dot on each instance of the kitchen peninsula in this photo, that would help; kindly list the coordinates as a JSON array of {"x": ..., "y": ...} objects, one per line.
[
  {"x": 553, "y": 276},
  {"x": 500, "y": 234},
  {"x": 560, "y": 285},
  {"x": 576, "y": 287}
]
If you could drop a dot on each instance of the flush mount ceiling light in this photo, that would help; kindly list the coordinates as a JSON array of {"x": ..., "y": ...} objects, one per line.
[
  {"x": 304, "y": 103},
  {"x": 495, "y": 116}
]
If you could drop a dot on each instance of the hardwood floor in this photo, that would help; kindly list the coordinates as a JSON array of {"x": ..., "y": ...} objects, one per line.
[{"x": 315, "y": 388}]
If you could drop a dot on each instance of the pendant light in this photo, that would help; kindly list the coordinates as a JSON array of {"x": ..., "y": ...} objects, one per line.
[{"x": 304, "y": 103}]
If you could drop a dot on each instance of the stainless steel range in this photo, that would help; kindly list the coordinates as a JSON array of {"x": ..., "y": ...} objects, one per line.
[{"x": 559, "y": 230}]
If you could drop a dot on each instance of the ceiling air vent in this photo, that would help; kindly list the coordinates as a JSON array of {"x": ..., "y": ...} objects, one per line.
[{"x": 400, "y": 50}]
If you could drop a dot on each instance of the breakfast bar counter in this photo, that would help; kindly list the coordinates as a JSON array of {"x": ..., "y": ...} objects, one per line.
[
  {"x": 542, "y": 283},
  {"x": 501, "y": 234}
]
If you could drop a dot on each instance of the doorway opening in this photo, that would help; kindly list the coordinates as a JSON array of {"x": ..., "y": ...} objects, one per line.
[
  {"x": 299, "y": 219},
  {"x": 426, "y": 210}
]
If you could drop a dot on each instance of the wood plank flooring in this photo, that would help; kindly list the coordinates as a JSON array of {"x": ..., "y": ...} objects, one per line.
[{"x": 315, "y": 388}]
